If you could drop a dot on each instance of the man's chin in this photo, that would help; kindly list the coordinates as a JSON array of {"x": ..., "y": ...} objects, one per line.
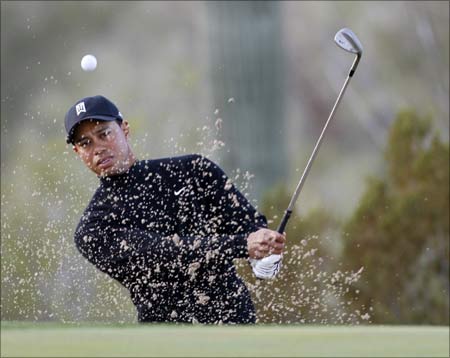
[
  {"x": 112, "y": 170},
  {"x": 108, "y": 172},
  {"x": 115, "y": 168}
]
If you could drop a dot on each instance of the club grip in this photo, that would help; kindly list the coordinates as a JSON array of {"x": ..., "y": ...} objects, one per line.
[{"x": 287, "y": 215}]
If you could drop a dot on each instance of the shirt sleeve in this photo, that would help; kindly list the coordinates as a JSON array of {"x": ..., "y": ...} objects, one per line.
[{"x": 123, "y": 252}]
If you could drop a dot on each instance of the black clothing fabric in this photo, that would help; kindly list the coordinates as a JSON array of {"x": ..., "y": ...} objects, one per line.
[{"x": 168, "y": 230}]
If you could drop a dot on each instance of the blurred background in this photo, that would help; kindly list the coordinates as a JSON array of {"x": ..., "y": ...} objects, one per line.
[{"x": 250, "y": 85}]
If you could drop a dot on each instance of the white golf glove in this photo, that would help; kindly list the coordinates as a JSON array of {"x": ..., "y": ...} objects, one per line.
[{"x": 267, "y": 267}]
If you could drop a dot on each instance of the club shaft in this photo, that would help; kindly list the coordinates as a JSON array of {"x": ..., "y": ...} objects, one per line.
[{"x": 294, "y": 197}]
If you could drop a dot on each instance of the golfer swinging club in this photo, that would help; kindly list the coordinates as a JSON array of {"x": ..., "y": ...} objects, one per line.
[{"x": 166, "y": 229}]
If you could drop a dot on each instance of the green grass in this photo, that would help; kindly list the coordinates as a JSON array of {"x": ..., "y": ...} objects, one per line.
[{"x": 90, "y": 340}]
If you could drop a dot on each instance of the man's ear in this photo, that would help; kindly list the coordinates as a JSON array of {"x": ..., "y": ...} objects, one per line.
[
  {"x": 125, "y": 127},
  {"x": 75, "y": 149}
]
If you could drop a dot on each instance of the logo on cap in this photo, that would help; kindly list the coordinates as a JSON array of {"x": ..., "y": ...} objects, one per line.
[{"x": 80, "y": 108}]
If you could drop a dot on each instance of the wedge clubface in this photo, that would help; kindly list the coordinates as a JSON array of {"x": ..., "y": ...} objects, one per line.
[{"x": 347, "y": 40}]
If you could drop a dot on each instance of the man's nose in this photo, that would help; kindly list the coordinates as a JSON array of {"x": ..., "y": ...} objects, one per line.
[{"x": 99, "y": 149}]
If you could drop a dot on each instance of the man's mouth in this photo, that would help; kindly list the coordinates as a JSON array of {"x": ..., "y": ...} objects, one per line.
[{"x": 105, "y": 162}]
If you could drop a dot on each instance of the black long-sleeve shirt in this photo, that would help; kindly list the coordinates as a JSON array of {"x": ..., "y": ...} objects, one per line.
[{"x": 168, "y": 230}]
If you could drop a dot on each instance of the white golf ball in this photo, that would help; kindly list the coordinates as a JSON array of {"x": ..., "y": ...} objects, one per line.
[{"x": 89, "y": 63}]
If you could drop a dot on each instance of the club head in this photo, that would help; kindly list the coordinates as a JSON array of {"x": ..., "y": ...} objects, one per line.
[{"x": 347, "y": 40}]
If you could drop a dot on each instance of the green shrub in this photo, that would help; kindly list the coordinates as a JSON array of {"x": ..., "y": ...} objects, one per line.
[{"x": 400, "y": 230}]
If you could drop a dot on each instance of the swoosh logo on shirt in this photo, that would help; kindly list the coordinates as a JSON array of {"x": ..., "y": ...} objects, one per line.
[{"x": 178, "y": 192}]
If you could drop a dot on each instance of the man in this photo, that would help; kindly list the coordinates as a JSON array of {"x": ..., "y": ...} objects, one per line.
[{"x": 166, "y": 229}]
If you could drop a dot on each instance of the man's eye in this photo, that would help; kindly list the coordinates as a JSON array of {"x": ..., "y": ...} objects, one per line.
[
  {"x": 106, "y": 133},
  {"x": 84, "y": 144}
]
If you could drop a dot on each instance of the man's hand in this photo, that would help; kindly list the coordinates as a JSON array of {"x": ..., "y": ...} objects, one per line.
[{"x": 265, "y": 242}]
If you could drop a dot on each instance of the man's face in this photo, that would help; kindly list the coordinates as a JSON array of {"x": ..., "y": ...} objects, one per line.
[{"x": 103, "y": 146}]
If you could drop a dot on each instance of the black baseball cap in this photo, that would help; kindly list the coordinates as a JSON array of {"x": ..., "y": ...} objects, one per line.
[{"x": 96, "y": 107}]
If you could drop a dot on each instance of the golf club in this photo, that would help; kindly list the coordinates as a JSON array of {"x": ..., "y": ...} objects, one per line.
[{"x": 269, "y": 267}]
